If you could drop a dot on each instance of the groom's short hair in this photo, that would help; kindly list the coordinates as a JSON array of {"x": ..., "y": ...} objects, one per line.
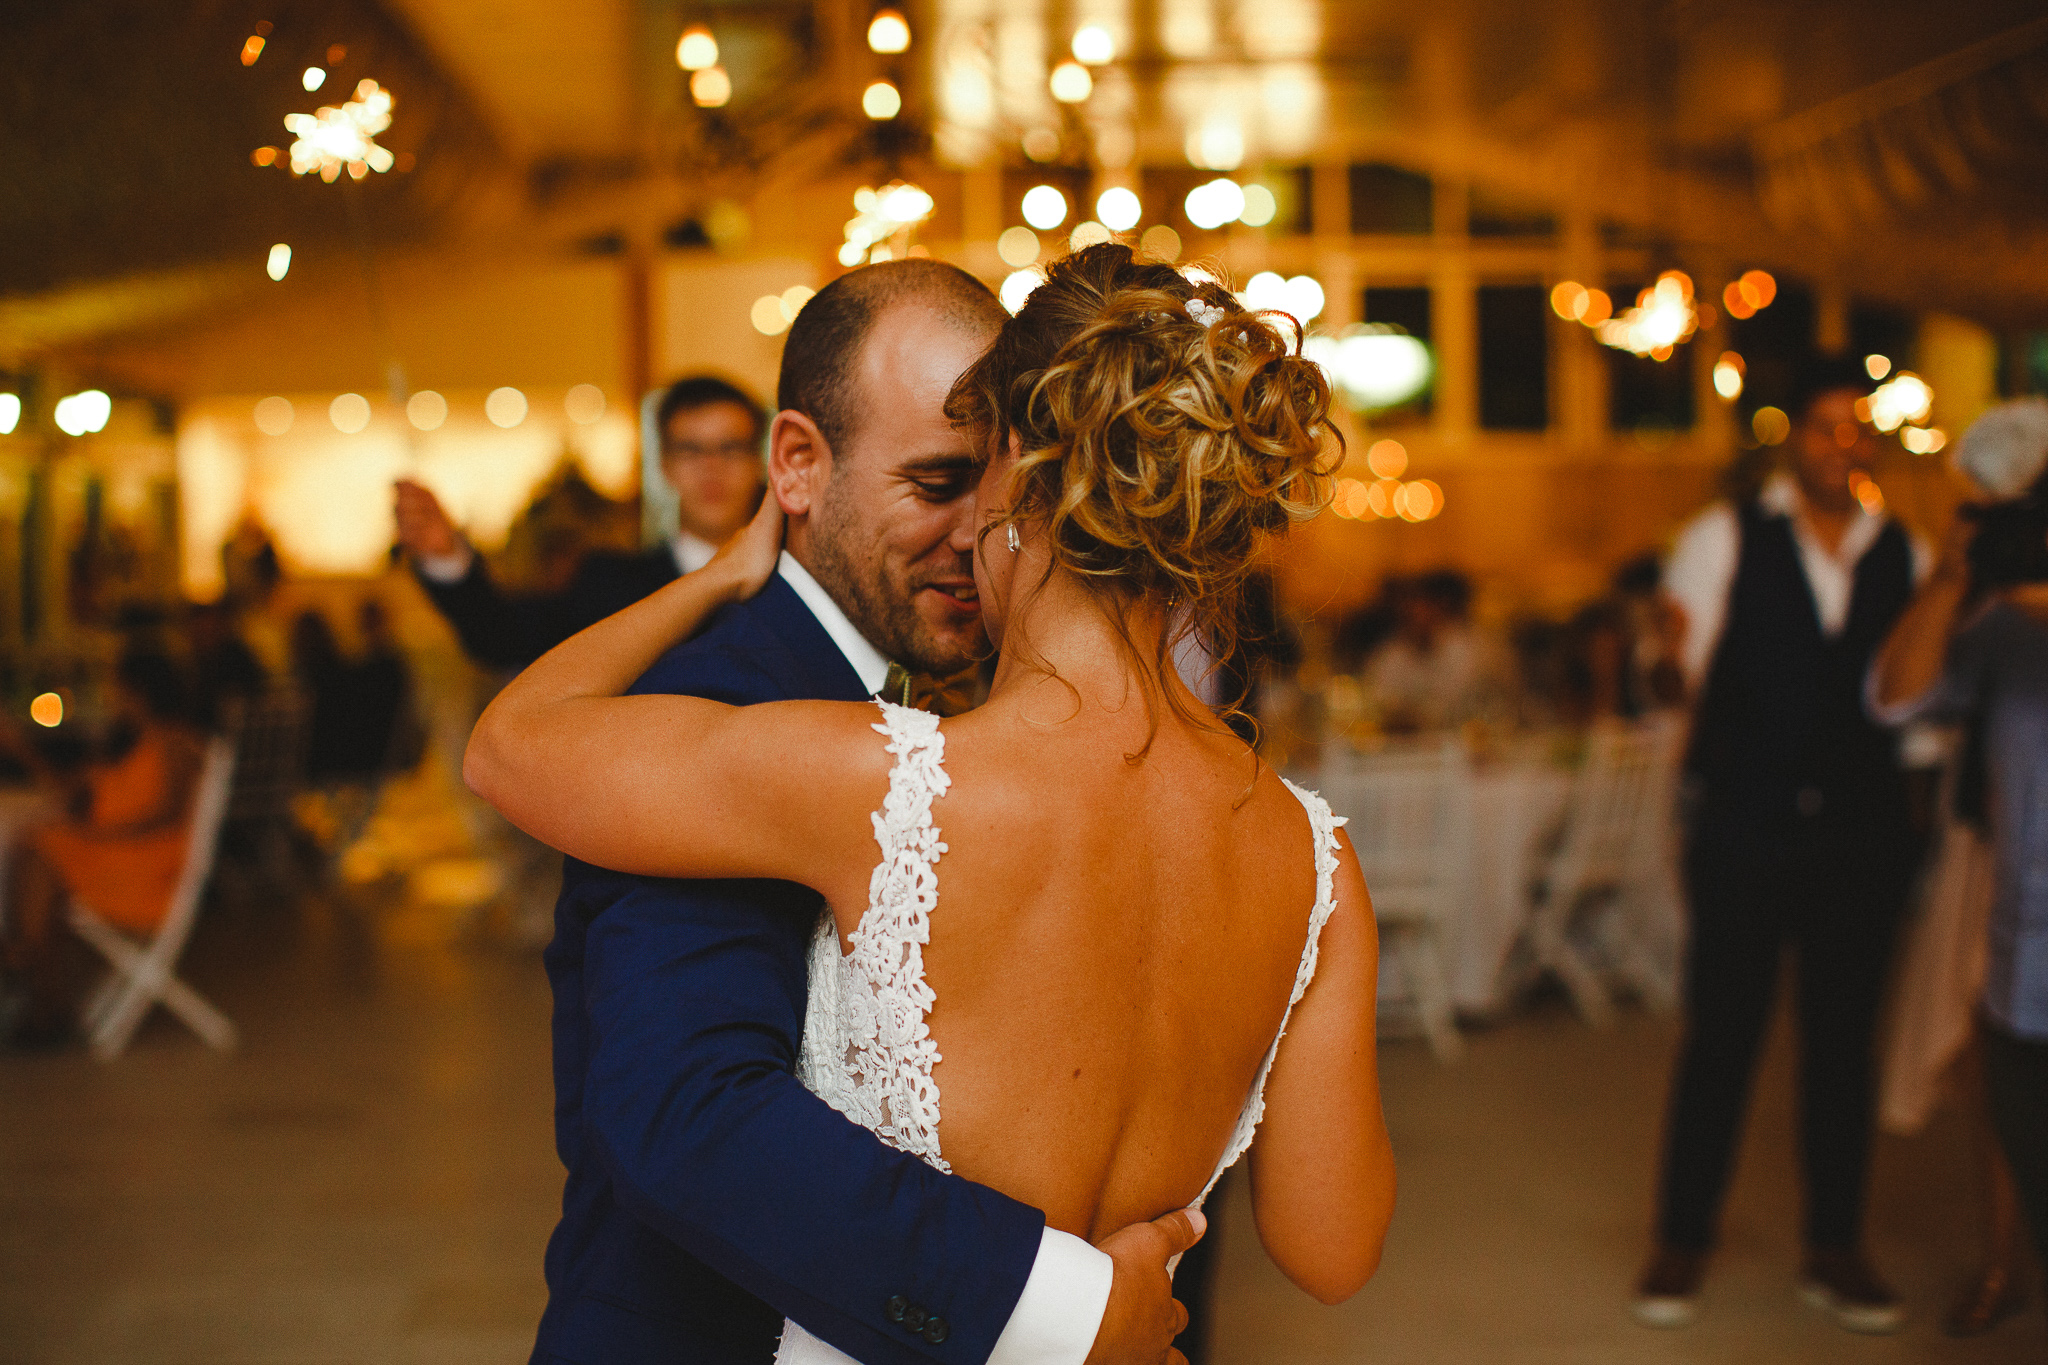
[{"x": 820, "y": 360}]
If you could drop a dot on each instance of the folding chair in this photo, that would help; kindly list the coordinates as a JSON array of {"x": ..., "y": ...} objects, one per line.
[
  {"x": 1403, "y": 807},
  {"x": 144, "y": 974},
  {"x": 1599, "y": 858}
]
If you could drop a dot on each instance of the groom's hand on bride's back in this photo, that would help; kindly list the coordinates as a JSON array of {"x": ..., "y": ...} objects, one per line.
[{"x": 1142, "y": 1317}]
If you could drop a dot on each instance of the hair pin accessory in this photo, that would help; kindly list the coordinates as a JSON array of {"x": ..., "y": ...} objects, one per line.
[
  {"x": 1206, "y": 314},
  {"x": 1015, "y": 544}
]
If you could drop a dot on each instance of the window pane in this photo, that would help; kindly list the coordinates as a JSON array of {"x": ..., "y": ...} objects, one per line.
[
  {"x": 1386, "y": 199},
  {"x": 1514, "y": 371}
]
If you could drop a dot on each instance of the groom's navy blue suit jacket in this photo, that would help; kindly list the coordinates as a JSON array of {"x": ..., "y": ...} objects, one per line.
[{"x": 709, "y": 1194}]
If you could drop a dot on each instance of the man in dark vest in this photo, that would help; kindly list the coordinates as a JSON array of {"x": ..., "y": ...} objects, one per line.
[
  {"x": 711, "y": 449},
  {"x": 1800, "y": 836}
]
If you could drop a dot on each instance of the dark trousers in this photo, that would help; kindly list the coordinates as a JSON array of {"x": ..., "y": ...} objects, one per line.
[
  {"x": 1831, "y": 887},
  {"x": 2016, "y": 1083}
]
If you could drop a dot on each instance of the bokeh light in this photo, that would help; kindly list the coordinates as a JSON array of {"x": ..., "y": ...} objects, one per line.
[
  {"x": 280, "y": 261},
  {"x": 426, "y": 410},
  {"x": 1387, "y": 458},
  {"x": 1729, "y": 372},
  {"x": 1260, "y": 206},
  {"x": 1771, "y": 425},
  {"x": 710, "y": 88},
  {"x": 349, "y": 412},
  {"x": 1210, "y": 206},
  {"x": 1018, "y": 246},
  {"x": 1093, "y": 45},
  {"x": 696, "y": 50},
  {"x": 1877, "y": 366},
  {"x": 1045, "y": 208},
  {"x": 881, "y": 101},
  {"x": 888, "y": 32},
  {"x": 1087, "y": 234},
  {"x": 1071, "y": 83},
  {"x": 10, "y": 412},
  {"x": 584, "y": 404},
  {"x": 47, "y": 710},
  {"x": 274, "y": 415},
  {"x": 1119, "y": 209},
  {"x": 1017, "y": 287},
  {"x": 1161, "y": 242},
  {"x": 505, "y": 407},
  {"x": 82, "y": 413}
]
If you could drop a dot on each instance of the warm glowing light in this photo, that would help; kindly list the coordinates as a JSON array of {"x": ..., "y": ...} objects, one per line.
[
  {"x": 793, "y": 300},
  {"x": 331, "y": 139},
  {"x": 10, "y": 413},
  {"x": 252, "y": 49},
  {"x": 1160, "y": 242},
  {"x": 280, "y": 261},
  {"x": 1041, "y": 144},
  {"x": 1379, "y": 497},
  {"x": 82, "y": 413},
  {"x": 1867, "y": 492},
  {"x": 1905, "y": 398},
  {"x": 880, "y": 215},
  {"x": 336, "y": 54},
  {"x": 1358, "y": 501},
  {"x": 1877, "y": 366},
  {"x": 1071, "y": 83},
  {"x": 1664, "y": 315},
  {"x": 1568, "y": 300},
  {"x": 1216, "y": 145},
  {"x": 1923, "y": 440},
  {"x": 1758, "y": 288},
  {"x": 1728, "y": 375},
  {"x": 1018, "y": 246},
  {"x": 426, "y": 410},
  {"x": 1599, "y": 307},
  {"x": 1045, "y": 208},
  {"x": 584, "y": 404},
  {"x": 1087, "y": 234},
  {"x": 888, "y": 32},
  {"x": 1093, "y": 45},
  {"x": 1373, "y": 365},
  {"x": 1771, "y": 425},
  {"x": 696, "y": 50},
  {"x": 1300, "y": 297},
  {"x": 851, "y": 254},
  {"x": 1119, "y": 209},
  {"x": 313, "y": 79},
  {"x": 263, "y": 156},
  {"x": 1259, "y": 206},
  {"x": 1418, "y": 501},
  {"x": 1388, "y": 459},
  {"x": 766, "y": 315},
  {"x": 47, "y": 710},
  {"x": 881, "y": 101},
  {"x": 710, "y": 87},
  {"x": 1212, "y": 205},
  {"x": 1017, "y": 287},
  {"x": 350, "y": 413},
  {"x": 505, "y": 407},
  {"x": 274, "y": 415}
]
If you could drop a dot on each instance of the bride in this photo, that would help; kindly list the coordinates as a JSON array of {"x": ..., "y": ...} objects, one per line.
[{"x": 1102, "y": 941}]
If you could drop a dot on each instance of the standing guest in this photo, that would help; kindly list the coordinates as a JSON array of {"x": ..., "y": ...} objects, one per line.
[
  {"x": 121, "y": 855},
  {"x": 1974, "y": 644},
  {"x": 1800, "y": 835},
  {"x": 225, "y": 672},
  {"x": 711, "y": 435}
]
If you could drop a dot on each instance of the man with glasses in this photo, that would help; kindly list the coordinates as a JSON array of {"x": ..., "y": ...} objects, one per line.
[
  {"x": 711, "y": 435},
  {"x": 1799, "y": 837}
]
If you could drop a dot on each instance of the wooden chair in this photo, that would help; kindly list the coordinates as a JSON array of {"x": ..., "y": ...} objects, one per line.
[
  {"x": 145, "y": 974},
  {"x": 1403, "y": 807},
  {"x": 1613, "y": 825}
]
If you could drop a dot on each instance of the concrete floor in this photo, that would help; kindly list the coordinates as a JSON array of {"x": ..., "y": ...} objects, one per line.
[{"x": 371, "y": 1179}]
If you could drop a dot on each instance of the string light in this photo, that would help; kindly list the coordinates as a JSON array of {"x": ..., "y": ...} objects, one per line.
[
  {"x": 1749, "y": 294},
  {"x": 584, "y": 404},
  {"x": 710, "y": 87},
  {"x": 1300, "y": 297},
  {"x": 82, "y": 413},
  {"x": 1877, "y": 366},
  {"x": 505, "y": 407},
  {"x": 888, "y": 32},
  {"x": 1729, "y": 372},
  {"x": 880, "y": 214},
  {"x": 426, "y": 410},
  {"x": 1160, "y": 242},
  {"x": 1017, "y": 287},
  {"x": 1212, "y": 205},
  {"x": 331, "y": 139},
  {"x": 1018, "y": 246},
  {"x": 1905, "y": 398},
  {"x": 1045, "y": 208},
  {"x": 881, "y": 101},
  {"x": 1087, "y": 234},
  {"x": 1259, "y": 206},
  {"x": 696, "y": 50},
  {"x": 280, "y": 261},
  {"x": 1387, "y": 458},
  {"x": 10, "y": 412},
  {"x": 252, "y": 49},
  {"x": 1663, "y": 316},
  {"x": 1119, "y": 209},
  {"x": 1093, "y": 46},
  {"x": 313, "y": 79},
  {"x": 1071, "y": 83},
  {"x": 1373, "y": 365},
  {"x": 349, "y": 412},
  {"x": 273, "y": 415},
  {"x": 47, "y": 710}
]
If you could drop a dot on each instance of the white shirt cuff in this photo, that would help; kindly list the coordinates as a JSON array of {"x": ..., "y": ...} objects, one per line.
[
  {"x": 1061, "y": 1309},
  {"x": 452, "y": 567}
]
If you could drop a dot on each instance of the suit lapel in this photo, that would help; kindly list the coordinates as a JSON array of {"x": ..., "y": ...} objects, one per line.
[{"x": 819, "y": 671}]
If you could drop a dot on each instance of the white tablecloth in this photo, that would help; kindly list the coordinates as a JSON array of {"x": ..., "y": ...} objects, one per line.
[{"x": 1514, "y": 807}]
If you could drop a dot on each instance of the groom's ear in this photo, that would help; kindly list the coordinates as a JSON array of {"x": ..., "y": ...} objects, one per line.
[{"x": 799, "y": 462}]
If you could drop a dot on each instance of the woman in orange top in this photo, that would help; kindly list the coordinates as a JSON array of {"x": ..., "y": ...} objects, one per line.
[{"x": 122, "y": 858}]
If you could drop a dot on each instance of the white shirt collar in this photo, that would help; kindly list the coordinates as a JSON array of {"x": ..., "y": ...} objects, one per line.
[
  {"x": 692, "y": 552},
  {"x": 1781, "y": 495},
  {"x": 868, "y": 662}
]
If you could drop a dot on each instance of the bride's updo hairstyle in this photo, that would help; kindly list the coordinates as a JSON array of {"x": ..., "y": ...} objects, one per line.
[{"x": 1163, "y": 433}]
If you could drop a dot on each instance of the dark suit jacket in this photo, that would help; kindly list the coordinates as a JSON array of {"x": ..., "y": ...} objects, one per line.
[
  {"x": 511, "y": 632},
  {"x": 709, "y": 1193}
]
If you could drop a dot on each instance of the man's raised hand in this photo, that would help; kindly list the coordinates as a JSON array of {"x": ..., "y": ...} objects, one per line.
[{"x": 423, "y": 526}]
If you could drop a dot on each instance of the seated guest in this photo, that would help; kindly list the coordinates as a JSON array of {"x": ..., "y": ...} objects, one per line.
[
  {"x": 711, "y": 435},
  {"x": 225, "y": 671},
  {"x": 1435, "y": 672},
  {"x": 120, "y": 855}
]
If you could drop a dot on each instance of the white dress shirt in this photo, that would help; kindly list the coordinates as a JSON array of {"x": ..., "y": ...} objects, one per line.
[
  {"x": 1702, "y": 567},
  {"x": 1057, "y": 1316}
]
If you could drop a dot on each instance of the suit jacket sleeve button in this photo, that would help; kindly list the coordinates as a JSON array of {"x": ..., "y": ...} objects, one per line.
[
  {"x": 936, "y": 1331},
  {"x": 914, "y": 1318},
  {"x": 896, "y": 1308}
]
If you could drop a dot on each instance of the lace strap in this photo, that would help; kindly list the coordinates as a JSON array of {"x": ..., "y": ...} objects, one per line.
[
  {"x": 887, "y": 950},
  {"x": 1323, "y": 828}
]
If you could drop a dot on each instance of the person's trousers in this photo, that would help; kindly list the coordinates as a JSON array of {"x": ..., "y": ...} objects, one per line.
[
  {"x": 1831, "y": 887},
  {"x": 2016, "y": 1084}
]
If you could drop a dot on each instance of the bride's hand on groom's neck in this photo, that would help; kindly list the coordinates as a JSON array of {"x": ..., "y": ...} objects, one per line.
[
  {"x": 747, "y": 561},
  {"x": 1142, "y": 1317}
]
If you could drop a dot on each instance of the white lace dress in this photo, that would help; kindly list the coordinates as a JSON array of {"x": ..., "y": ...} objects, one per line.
[{"x": 867, "y": 1050}]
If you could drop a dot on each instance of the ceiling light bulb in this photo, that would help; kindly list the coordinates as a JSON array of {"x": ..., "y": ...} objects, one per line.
[
  {"x": 888, "y": 32},
  {"x": 881, "y": 101},
  {"x": 1045, "y": 208},
  {"x": 1071, "y": 83},
  {"x": 1093, "y": 45},
  {"x": 696, "y": 49}
]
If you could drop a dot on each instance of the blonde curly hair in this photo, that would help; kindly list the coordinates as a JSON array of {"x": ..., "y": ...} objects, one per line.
[{"x": 1159, "y": 448}]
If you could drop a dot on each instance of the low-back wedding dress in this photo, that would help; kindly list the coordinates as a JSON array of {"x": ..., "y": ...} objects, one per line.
[{"x": 867, "y": 1050}]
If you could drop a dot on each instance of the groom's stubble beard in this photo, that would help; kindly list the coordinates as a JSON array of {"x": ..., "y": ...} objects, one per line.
[{"x": 854, "y": 568}]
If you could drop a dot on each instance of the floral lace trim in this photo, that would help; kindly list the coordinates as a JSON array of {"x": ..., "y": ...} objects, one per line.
[
  {"x": 868, "y": 1051},
  {"x": 1323, "y": 828}
]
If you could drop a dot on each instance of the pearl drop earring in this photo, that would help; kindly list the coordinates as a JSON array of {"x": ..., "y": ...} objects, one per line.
[{"x": 1014, "y": 543}]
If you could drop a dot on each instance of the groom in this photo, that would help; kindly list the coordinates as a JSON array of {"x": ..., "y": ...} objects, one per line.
[{"x": 709, "y": 1195}]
